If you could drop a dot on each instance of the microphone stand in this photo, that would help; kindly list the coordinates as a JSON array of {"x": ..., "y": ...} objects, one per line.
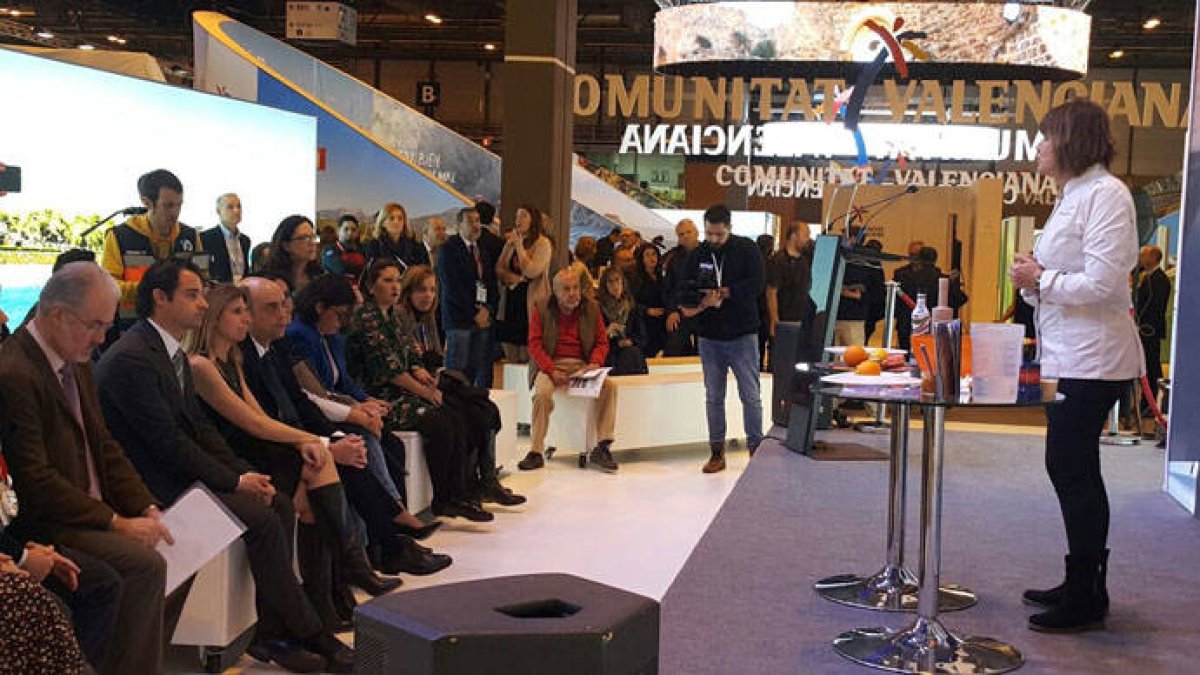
[{"x": 114, "y": 214}]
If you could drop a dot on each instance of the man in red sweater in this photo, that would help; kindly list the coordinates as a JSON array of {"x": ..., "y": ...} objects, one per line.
[{"x": 567, "y": 335}]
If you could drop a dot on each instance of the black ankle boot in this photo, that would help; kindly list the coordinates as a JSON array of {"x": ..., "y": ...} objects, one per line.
[
  {"x": 316, "y": 566},
  {"x": 1083, "y": 600},
  {"x": 1050, "y": 597}
]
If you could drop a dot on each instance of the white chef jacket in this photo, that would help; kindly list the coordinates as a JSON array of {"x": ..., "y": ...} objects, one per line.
[{"x": 1088, "y": 248}]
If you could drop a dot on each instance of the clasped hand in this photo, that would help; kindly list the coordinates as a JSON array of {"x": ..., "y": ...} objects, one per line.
[{"x": 1025, "y": 271}]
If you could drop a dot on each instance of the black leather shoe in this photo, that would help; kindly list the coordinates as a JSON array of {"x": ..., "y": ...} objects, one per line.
[
  {"x": 419, "y": 533},
  {"x": 405, "y": 555},
  {"x": 462, "y": 509},
  {"x": 602, "y": 457},
  {"x": 338, "y": 657},
  {"x": 495, "y": 493},
  {"x": 289, "y": 655},
  {"x": 532, "y": 461}
]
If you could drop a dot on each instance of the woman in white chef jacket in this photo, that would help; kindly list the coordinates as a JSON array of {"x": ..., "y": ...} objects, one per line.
[{"x": 1078, "y": 279}]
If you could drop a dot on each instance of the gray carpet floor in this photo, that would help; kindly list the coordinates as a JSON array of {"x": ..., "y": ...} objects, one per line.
[{"x": 744, "y": 602}]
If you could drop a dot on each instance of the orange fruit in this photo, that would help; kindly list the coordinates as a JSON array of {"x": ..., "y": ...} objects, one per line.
[
  {"x": 855, "y": 355},
  {"x": 868, "y": 368}
]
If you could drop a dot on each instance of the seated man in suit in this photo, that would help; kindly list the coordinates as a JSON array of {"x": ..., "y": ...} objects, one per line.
[
  {"x": 76, "y": 487},
  {"x": 230, "y": 249},
  {"x": 150, "y": 403}
]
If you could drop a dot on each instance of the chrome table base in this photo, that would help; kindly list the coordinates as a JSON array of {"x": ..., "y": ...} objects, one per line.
[
  {"x": 891, "y": 589},
  {"x": 925, "y": 646}
]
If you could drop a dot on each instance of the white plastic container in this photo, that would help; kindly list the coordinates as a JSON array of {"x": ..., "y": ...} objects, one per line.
[{"x": 996, "y": 361}]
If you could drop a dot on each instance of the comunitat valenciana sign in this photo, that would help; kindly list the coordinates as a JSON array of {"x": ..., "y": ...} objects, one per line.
[
  {"x": 917, "y": 120},
  {"x": 746, "y": 80}
]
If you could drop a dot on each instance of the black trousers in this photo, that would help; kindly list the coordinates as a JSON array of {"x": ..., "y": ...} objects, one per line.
[
  {"x": 1073, "y": 459},
  {"x": 284, "y": 611},
  {"x": 1152, "y": 347},
  {"x": 444, "y": 434}
]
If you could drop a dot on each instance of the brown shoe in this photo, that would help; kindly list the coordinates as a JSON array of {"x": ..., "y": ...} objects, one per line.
[{"x": 715, "y": 463}]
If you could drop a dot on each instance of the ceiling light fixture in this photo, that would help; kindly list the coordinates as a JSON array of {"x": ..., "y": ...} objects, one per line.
[
  {"x": 43, "y": 33},
  {"x": 433, "y": 18},
  {"x": 86, "y": 47},
  {"x": 14, "y": 12},
  {"x": 1152, "y": 23},
  {"x": 117, "y": 40},
  {"x": 1116, "y": 53},
  {"x": 489, "y": 47}
]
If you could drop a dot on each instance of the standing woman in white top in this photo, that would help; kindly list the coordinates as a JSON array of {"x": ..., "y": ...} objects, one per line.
[{"x": 1077, "y": 279}]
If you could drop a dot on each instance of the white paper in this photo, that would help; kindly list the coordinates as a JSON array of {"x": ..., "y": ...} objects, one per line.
[
  {"x": 202, "y": 527},
  {"x": 587, "y": 383}
]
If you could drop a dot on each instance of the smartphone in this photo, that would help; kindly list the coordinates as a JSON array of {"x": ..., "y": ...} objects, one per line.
[{"x": 10, "y": 179}]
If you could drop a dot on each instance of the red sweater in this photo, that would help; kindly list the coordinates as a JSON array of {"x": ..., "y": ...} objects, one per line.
[{"x": 568, "y": 345}]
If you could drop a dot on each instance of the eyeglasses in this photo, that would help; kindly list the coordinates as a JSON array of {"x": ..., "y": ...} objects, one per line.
[
  {"x": 90, "y": 326},
  {"x": 308, "y": 238}
]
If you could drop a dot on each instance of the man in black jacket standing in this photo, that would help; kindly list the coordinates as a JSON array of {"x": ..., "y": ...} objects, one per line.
[
  {"x": 466, "y": 308},
  {"x": 1152, "y": 292},
  {"x": 680, "y": 336},
  {"x": 724, "y": 280}
]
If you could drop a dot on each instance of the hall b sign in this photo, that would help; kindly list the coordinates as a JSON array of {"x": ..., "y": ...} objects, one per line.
[{"x": 429, "y": 94}]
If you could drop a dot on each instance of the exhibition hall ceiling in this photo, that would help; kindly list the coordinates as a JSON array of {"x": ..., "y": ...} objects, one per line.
[{"x": 611, "y": 32}]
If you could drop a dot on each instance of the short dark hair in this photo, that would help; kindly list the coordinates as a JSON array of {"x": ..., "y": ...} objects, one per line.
[
  {"x": 462, "y": 214},
  {"x": 149, "y": 184},
  {"x": 1081, "y": 135},
  {"x": 329, "y": 290},
  {"x": 719, "y": 215},
  {"x": 347, "y": 217},
  {"x": 928, "y": 255},
  {"x": 162, "y": 276},
  {"x": 487, "y": 212},
  {"x": 72, "y": 255}
]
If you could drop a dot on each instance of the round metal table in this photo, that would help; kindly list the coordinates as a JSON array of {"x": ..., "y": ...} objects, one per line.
[{"x": 925, "y": 645}]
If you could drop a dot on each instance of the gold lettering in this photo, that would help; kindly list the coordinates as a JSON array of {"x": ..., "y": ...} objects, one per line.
[
  {"x": 1064, "y": 91},
  {"x": 896, "y": 101},
  {"x": 1097, "y": 94},
  {"x": 799, "y": 101},
  {"x": 1157, "y": 104},
  {"x": 660, "y": 96},
  {"x": 992, "y": 92},
  {"x": 1124, "y": 102},
  {"x": 737, "y": 101},
  {"x": 958, "y": 99},
  {"x": 1030, "y": 100},
  {"x": 766, "y": 87},
  {"x": 708, "y": 102},
  {"x": 931, "y": 101},
  {"x": 592, "y": 85},
  {"x": 636, "y": 97}
]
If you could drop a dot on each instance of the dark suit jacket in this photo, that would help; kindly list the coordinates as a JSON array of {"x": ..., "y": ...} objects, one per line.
[
  {"x": 304, "y": 342},
  {"x": 163, "y": 430},
  {"x": 255, "y": 369},
  {"x": 1150, "y": 300},
  {"x": 44, "y": 446},
  {"x": 213, "y": 241},
  {"x": 490, "y": 246},
  {"x": 456, "y": 280}
]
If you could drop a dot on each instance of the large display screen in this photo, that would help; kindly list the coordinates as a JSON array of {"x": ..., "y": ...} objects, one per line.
[
  {"x": 709, "y": 38},
  {"x": 83, "y": 136}
]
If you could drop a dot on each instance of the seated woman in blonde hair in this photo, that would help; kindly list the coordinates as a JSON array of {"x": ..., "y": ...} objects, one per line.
[{"x": 293, "y": 458}]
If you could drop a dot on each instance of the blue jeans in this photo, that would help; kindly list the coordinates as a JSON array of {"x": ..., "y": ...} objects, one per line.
[
  {"x": 468, "y": 350},
  {"x": 717, "y": 357}
]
